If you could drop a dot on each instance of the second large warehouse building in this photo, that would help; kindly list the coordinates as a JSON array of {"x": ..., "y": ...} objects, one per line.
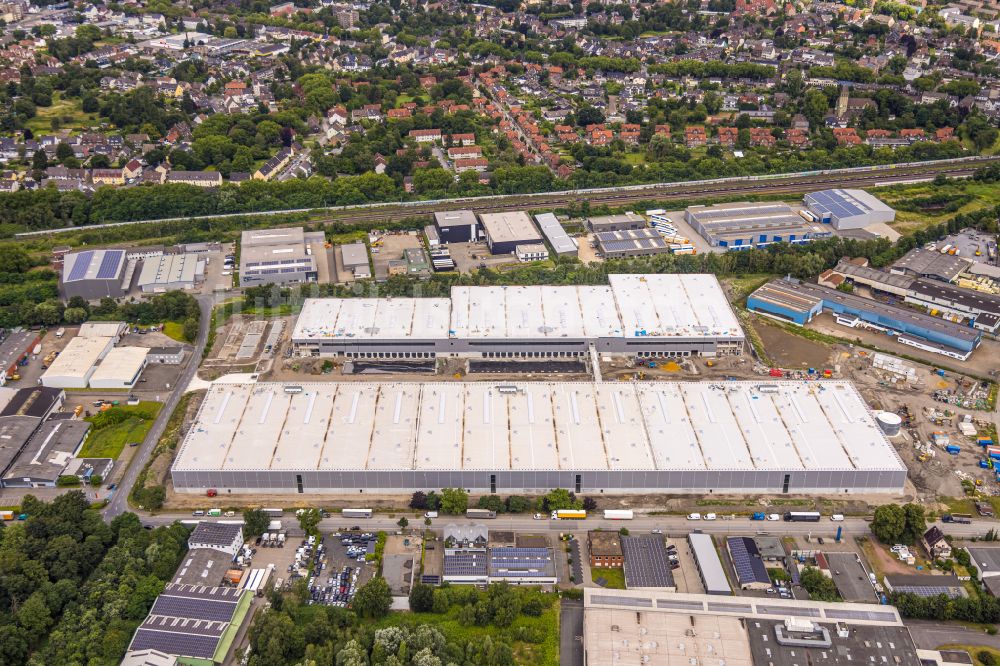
[
  {"x": 698, "y": 437},
  {"x": 643, "y": 315}
]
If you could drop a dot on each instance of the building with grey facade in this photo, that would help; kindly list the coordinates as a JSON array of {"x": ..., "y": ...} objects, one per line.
[
  {"x": 665, "y": 315},
  {"x": 505, "y": 231},
  {"x": 278, "y": 256},
  {"x": 95, "y": 274},
  {"x": 616, "y": 437},
  {"x": 848, "y": 209}
]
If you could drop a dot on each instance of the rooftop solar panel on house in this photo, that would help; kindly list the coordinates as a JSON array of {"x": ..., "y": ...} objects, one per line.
[
  {"x": 749, "y": 568},
  {"x": 81, "y": 265}
]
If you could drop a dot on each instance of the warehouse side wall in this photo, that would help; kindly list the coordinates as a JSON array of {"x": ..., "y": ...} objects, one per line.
[{"x": 828, "y": 482}]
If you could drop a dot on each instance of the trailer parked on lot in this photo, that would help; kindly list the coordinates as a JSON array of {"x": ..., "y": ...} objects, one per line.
[
  {"x": 356, "y": 513},
  {"x": 618, "y": 514}
]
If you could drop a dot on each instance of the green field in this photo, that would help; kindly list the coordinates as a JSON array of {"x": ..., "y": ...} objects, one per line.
[
  {"x": 110, "y": 441},
  {"x": 68, "y": 111}
]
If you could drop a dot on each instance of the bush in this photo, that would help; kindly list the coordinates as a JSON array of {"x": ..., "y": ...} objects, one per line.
[
  {"x": 986, "y": 658},
  {"x": 67, "y": 481}
]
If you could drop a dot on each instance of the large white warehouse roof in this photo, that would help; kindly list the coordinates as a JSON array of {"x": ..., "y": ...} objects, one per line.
[
  {"x": 666, "y": 305},
  {"x": 539, "y": 426}
]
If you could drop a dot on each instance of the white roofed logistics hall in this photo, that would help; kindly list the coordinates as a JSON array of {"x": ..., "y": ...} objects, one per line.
[
  {"x": 591, "y": 437},
  {"x": 642, "y": 315}
]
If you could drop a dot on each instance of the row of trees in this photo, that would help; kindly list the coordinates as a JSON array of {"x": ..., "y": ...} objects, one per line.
[
  {"x": 74, "y": 588},
  {"x": 455, "y": 501}
]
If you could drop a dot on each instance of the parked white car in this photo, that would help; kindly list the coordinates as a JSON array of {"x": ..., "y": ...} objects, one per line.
[
  {"x": 694, "y": 516},
  {"x": 837, "y": 517},
  {"x": 710, "y": 516},
  {"x": 773, "y": 516}
]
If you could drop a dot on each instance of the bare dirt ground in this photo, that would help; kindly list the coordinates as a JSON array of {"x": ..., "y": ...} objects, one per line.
[{"x": 792, "y": 351}]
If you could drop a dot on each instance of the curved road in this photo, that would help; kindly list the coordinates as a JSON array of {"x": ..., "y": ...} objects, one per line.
[{"x": 119, "y": 500}]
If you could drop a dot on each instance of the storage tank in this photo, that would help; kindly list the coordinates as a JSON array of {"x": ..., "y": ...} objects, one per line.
[{"x": 889, "y": 422}]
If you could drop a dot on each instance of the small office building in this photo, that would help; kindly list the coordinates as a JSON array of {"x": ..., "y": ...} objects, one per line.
[
  {"x": 355, "y": 260},
  {"x": 165, "y": 355}
]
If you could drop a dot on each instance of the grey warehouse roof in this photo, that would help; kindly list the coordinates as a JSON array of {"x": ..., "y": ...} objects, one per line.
[
  {"x": 931, "y": 263},
  {"x": 556, "y": 235}
]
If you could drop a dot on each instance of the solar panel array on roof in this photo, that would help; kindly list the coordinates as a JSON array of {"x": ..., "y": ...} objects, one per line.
[
  {"x": 746, "y": 561},
  {"x": 465, "y": 564},
  {"x": 839, "y": 203},
  {"x": 646, "y": 562},
  {"x": 928, "y": 590},
  {"x": 523, "y": 562},
  {"x": 873, "y": 616},
  {"x": 81, "y": 265},
  {"x": 174, "y": 643},
  {"x": 109, "y": 264},
  {"x": 188, "y": 620}
]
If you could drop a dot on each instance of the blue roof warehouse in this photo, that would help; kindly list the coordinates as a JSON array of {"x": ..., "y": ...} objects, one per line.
[{"x": 799, "y": 302}]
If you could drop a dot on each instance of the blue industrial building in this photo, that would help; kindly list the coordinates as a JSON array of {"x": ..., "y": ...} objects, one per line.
[{"x": 799, "y": 302}]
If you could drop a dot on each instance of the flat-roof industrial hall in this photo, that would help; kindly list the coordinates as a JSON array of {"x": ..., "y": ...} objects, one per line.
[
  {"x": 816, "y": 437},
  {"x": 642, "y": 315}
]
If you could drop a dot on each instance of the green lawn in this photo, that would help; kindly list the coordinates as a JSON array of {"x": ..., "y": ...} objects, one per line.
[
  {"x": 635, "y": 159},
  {"x": 110, "y": 441},
  {"x": 545, "y": 653},
  {"x": 68, "y": 111},
  {"x": 174, "y": 330},
  {"x": 615, "y": 577}
]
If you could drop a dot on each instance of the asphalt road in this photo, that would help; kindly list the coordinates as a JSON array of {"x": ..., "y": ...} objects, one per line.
[
  {"x": 671, "y": 525},
  {"x": 119, "y": 500},
  {"x": 571, "y": 633}
]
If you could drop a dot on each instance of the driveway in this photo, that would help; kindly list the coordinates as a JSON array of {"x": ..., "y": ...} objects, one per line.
[{"x": 571, "y": 633}]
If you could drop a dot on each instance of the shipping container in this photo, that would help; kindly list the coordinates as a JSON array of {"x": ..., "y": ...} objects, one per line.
[
  {"x": 7, "y": 515},
  {"x": 953, "y": 449},
  {"x": 618, "y": 514}
]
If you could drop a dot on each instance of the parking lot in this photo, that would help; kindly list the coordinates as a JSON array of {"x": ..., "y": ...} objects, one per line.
[
  {"x": 686, "y": 575},
  {"x": 335, "y": 565}
]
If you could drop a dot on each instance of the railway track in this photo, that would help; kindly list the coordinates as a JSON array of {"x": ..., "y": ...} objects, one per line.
[
  {"x": 739, "y": 186},
  {"x": 790, "y": 186}
]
